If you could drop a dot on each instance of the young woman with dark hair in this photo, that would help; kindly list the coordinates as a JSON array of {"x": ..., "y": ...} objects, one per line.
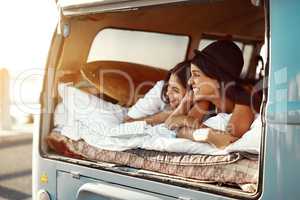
[
  {"x": 173, "y": 97},
  {"x": 215, "y": 77}
]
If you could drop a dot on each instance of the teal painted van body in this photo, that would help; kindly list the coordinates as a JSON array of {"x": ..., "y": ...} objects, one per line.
[{"x": 280, "y": 156}]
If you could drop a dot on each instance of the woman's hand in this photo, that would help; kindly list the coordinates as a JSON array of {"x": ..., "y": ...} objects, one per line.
[
  {"x": 175, "y": 122},
  {"x": 157, "y": 118},
  {"x": 127, "y": 119},
  {"x": 185, "y": 104},
  {"x": 217, "y": 138}
]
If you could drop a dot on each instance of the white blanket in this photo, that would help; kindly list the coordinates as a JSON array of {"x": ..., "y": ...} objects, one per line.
[
  {"x": 99, "y": 123},
  {"x": 249, "y": 142}
]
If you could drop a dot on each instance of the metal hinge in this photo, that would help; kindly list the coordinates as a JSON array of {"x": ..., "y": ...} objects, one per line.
[
  {"x": 75, "y": 175},
  {"x": 66, "y": 30},
  {"x": 64, "y": 26}
]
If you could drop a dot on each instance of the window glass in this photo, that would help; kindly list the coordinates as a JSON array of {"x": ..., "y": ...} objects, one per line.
[{"x": 153, "y": 49}]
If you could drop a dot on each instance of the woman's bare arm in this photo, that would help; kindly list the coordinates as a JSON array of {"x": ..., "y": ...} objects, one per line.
[
  {"x": 240, "y": 121},
  {"x": 157, "y": 118},
  {"x": 199, "y": 110},
  {"x": 193, "y": 119},
  {"x": 185, "y": 132},
  {"x": 219, "y": 139}
]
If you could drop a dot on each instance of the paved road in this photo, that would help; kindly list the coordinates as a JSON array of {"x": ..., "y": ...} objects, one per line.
[{"x": 15, "y": 167}]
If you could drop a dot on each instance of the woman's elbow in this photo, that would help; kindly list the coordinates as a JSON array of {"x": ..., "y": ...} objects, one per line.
[
  {"x": 128, "y": 119},
  {"x": 237, "y": 131},
  {"x": 185, "y": 132}
]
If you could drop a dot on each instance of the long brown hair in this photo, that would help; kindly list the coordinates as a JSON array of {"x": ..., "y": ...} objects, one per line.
[{"x": 182, "y": 72}]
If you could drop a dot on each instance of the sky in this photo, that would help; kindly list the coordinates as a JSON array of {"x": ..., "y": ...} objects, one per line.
[
  {"x": 26, "y": 29},
  {"x": 25, "y": 34}
]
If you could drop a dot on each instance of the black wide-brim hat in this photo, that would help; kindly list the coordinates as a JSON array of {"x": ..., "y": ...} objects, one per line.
[{"x": 222, "y": 60}]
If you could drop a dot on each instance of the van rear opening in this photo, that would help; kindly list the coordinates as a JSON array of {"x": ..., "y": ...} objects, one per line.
[{"x": 117, "y": 57}]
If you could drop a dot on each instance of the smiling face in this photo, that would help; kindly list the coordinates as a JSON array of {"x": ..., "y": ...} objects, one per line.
[
  {"x": 203, "y": 86},
  {"x": 175, "y": 91}
]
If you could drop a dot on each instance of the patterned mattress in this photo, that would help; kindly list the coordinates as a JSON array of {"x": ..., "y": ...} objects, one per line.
[{"x": 228, "y": 169}]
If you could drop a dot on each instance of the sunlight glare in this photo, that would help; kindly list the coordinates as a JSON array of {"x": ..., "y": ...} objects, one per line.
[{"x": 26, "y": 31}]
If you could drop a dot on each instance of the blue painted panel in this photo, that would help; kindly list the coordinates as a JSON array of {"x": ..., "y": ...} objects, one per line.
[
  {"x": 284, "y": 87},
  {"x": 282, "y": 159},
  {"x": 48, "y": 169},
  {"x": 66, "y": 187},
  {"x": 282, "y": 162}
]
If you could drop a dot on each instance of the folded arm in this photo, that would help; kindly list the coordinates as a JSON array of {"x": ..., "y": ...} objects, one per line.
[
  {"x": 157, "y": 118},
  {"x": 240, "y": 122},
  {"x": 219, "y": 139},
  {"x": 192, "y": 118}
]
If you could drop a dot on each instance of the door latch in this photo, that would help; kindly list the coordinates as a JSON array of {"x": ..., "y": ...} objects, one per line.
[{"x": 75, "y": 175}]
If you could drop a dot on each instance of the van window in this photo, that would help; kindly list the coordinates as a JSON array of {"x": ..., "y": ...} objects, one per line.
[{"x": 153, "y": 49}]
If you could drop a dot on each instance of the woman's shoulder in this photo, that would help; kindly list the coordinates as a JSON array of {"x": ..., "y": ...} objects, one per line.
[
  {"x": 157, "y": 88},
  {"x": 150, "y": 104},
  {"x": 245, "y": 96},
  {"x": 160, "y": 83}
]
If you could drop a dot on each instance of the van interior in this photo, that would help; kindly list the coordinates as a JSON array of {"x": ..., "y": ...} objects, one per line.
[{"x": 144, "y": 43}]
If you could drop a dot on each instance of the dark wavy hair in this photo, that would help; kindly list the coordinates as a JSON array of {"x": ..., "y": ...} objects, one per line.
[
  {"x": 183, "y": 72},
  {"x": 223, "y": 60}
]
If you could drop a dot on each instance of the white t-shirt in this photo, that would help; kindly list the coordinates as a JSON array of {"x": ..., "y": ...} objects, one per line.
[{"x": 150, "y": 104}]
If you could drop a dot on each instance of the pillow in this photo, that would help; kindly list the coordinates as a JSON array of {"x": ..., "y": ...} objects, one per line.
[{"x": 80, "y": 106}]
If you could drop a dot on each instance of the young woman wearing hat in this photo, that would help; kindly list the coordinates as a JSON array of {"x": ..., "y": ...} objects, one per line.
[{"x": 215, "y": 77}]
